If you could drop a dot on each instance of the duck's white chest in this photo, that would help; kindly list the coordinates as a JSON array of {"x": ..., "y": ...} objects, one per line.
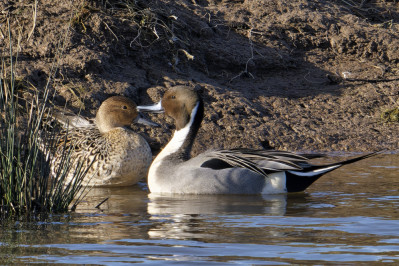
[{"x": 153, "y": 181}]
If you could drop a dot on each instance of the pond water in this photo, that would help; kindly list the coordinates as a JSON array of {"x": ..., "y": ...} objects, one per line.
[{"x": 349, "y": 216}]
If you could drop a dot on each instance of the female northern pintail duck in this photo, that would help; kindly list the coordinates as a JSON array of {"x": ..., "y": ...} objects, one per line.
[
  {"x": 236, "y": 171},
  {"x": 113, "y": 153}
]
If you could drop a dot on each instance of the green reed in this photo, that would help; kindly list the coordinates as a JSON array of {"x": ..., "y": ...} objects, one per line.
[{"x": 27, "y": 143}]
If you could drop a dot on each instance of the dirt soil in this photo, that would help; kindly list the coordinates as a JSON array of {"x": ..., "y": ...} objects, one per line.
[{"x": 290, "y": 75}]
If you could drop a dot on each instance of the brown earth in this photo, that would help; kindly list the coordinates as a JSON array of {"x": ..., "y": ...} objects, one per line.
[{"x": 291, "y": 75}]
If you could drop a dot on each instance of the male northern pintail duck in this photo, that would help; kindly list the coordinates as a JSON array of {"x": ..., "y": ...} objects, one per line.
[
  {"x": 235, "y": 171},
  {"x": 113, "y": 153}
]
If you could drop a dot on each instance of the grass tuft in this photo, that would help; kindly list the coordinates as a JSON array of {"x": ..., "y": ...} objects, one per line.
[
  {"x": 27, "y": 184},
  {"x": 391, "y": 115},
  {"x": 153, "y": 24}
]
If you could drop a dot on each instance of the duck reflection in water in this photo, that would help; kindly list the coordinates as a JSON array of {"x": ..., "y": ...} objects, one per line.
[
  {"x": 191, "y": 216},
  {"x": 131, "y": 212}
]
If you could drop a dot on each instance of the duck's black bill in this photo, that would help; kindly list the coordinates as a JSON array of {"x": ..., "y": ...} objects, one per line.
[{"x": 145, "y": 121}]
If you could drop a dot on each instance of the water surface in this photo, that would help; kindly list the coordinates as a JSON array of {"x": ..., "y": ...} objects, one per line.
[{"x": 349, "y": 216}]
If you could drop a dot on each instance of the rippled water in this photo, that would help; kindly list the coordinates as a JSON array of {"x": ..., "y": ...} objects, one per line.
[{"x": 350, "y": 216}]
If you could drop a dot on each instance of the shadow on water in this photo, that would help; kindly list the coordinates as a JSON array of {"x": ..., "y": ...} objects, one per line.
[{"x": 348, "y": 216}]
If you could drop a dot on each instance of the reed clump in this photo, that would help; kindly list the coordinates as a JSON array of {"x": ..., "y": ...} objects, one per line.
[{"x": 27, "y": 183}]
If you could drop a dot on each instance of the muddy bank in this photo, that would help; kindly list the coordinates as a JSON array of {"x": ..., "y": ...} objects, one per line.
[{"x": 301, "y": 76}]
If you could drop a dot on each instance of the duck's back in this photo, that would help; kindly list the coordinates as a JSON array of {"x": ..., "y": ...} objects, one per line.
[{"x": 119, "y": 157}]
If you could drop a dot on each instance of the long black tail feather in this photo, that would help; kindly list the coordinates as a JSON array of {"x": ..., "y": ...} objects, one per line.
[{"x": 300, "y": 180}]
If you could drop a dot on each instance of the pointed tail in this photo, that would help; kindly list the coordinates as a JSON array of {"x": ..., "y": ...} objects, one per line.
[{"x": 302, "y": 179}]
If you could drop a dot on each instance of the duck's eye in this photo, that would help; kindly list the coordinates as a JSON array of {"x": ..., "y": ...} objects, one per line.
[
  {"x": 173, "y": 97},
  {"x": 124, "y": 107}
]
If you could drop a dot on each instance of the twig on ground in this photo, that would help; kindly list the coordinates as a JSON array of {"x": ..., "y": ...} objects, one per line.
[
  {"x": 245, "y": 71},
  {"x": 106, "y": 25}
]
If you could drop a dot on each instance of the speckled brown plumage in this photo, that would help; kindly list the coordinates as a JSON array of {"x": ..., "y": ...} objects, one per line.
[{"x": 118, "y": 156}]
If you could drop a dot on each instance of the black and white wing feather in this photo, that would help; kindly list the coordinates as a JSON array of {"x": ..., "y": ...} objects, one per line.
[{"x": 258, "y": 161}]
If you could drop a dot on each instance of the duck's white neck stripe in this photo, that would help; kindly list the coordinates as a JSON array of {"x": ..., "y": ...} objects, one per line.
[{"x": 178, "y": 138}]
